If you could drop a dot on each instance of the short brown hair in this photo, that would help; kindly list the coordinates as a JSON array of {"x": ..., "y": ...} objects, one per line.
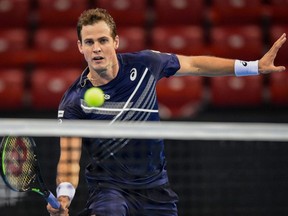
[{"x": 91, "y": 16}]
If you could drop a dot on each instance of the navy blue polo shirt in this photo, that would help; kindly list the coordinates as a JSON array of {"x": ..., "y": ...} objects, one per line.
[{"x": 130, "y": 96}]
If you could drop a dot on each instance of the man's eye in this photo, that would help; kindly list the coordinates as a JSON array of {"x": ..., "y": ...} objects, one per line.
[
  {"x": 103, "y": 41},
  {"x": 89, "y": 43}
]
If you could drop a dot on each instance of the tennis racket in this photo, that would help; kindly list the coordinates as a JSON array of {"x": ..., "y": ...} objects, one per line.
[{"x": 20, "y": 168}]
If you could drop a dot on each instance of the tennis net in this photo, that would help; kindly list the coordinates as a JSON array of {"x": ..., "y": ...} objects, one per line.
[{"x": 215, "y": 168}]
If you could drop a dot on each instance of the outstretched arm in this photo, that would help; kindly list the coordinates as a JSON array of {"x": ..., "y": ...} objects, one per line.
[{"x": 215, "y": 66}]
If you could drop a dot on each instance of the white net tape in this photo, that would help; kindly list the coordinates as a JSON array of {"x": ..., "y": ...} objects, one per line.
[{"x": 145, "y": 130}]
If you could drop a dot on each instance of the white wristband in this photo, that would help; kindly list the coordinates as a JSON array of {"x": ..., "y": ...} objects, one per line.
[
  {"x": 65, "y": 189},
  {"x": 246, "y": 68}
]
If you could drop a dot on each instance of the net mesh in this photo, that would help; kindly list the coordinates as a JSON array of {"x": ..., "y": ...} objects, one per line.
[{"x": 243, "y": 174}]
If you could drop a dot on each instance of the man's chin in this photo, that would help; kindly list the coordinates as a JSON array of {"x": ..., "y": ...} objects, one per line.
[{"x": 100, "y": 70}]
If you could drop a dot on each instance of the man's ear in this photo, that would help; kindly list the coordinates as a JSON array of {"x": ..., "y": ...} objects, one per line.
[
  {"x": 80, "y": 46},
  {"x": 116, "y": 42}
]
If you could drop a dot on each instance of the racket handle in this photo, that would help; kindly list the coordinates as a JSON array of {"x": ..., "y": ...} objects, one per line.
[{"x": 52, "y": 200}]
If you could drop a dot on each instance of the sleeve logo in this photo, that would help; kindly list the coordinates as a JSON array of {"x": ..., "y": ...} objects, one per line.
[{"x": 60, "y": 113}]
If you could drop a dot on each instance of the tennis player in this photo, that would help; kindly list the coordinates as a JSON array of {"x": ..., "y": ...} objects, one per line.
[{"x": 128, "y": 176}]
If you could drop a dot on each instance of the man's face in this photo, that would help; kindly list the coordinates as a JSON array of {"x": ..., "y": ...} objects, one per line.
[{"x": 98, "y": 47}]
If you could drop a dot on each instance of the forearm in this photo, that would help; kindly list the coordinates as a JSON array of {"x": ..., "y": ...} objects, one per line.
[
  {"x": 68, "y": 166},
  {"x": 206, "y": 66}
]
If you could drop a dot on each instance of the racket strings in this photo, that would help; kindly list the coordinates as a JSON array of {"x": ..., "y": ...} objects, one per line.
[{"x": 20, "y": 163}]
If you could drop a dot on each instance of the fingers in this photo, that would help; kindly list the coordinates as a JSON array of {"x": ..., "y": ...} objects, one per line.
[
  {"x": 277, "y": 45},
  {"x": 57, "y": 212},
  {"x": 281, "y": 40},
  {"x": 279, "y": 69},
  {"x": 266, "y": 63}
]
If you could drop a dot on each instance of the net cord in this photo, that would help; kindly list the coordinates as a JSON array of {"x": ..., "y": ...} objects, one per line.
[{"x": 145, "y": 130}]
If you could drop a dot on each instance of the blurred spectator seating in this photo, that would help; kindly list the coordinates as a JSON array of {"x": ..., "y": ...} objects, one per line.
[
  {"x": 13, "y": 46},
  {"x": 14, "y": 13},
  {"x": 179, "y": 12},
  {"x": 12, "y": 88},
  {"x": 278, "y": 11},
  {"x": 49, "y": 84},
  {"x": 238, "y": 92},
  {"x": 131, "y": 39},
  {"x": 55, "y": 46},
  {"x": 180, "y": 96},
  {"x": 235, "y": 12},
  {"x": 125, "y": 12},
  {"x": 278, "y": 88},
  {"x": 60, "y": 13},
  {"x": 178, "y": 39},
  {"x": 244, "y": 42}
]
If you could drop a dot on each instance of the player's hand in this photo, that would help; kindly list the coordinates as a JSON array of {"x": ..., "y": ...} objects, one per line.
[
  {"x": 266, "y": 63},
  {"x": 63, "y": 210}
]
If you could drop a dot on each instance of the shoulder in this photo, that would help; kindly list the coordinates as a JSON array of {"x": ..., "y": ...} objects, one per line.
[
  {"x": 71, "y": 96},
  {"x": 146, "y": 57}
]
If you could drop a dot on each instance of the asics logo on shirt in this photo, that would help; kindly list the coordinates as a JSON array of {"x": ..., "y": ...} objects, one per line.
[
  {"x": 106, "y": 96},
  {"x": 133, "y": 74}
]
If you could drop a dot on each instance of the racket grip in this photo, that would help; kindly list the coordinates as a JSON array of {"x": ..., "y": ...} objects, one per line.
[{"x": 52, "y": 200}]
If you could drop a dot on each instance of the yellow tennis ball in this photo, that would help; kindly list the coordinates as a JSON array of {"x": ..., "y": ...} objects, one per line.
[{"x": 94, "y": 97}]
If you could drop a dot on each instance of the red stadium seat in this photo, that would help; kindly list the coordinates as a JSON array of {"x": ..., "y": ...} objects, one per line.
[
  {"x": 14, "y": 13},
  {"x": 49, "y": 84},
  {"x": 244, "y": 42},
  {"x": 12, "y": 89},
  {"x": 179, "y": 39},
  {"x": 57, "y": 47},
  {"x": 12, "y": 40},
  {"x": 278, "y": 88},
  {"x": 125, "y": 12},
  {"x": 131, "y": 39},
  {"x": 181, "y": 12},
  {"x": 233, "y": 91},
  {"x": 275, "y": 32},
  {"x": 278, "y": 11},
  {"x": 59, "y": 12},
  {"x": 236, "y": 12},
  {"x": 13, "y": 44},
  {"x": 179, "y": 96}
]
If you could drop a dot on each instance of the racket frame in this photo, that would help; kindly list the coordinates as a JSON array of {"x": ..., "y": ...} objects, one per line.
[{"x": 37, "y": 179}]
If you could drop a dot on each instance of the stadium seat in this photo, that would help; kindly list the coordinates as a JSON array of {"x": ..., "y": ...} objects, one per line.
[
  {"x": 236, "y": 12},
  {"x": 179, "y": 39},
  {"x": 131, "y": 39},
  {"x": 278, "y": 11},
  {"x": 179, "y": 96},
  {"x": 60, "y": 13},
  {"x": 13, "y": 44},
  {"x": 233, "y": 91},
  {"x": 55, "y": 46},
  {"x": 13, "y": 40},
  {"x": 244, "y": 42},
  {"x": 278, "y": 88},
  {"x": 125, "y": 12},
  {"x": 275, "y": 32},
  {"x": 12, "y": 88},
  {"x": 14, "y": 13},
  {"x": 168, "y": 12},
  {"x": 49, "y": 84}
]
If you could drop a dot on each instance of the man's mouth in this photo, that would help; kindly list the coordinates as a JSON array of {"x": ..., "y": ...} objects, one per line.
[{"x": 98, "y": 58}]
